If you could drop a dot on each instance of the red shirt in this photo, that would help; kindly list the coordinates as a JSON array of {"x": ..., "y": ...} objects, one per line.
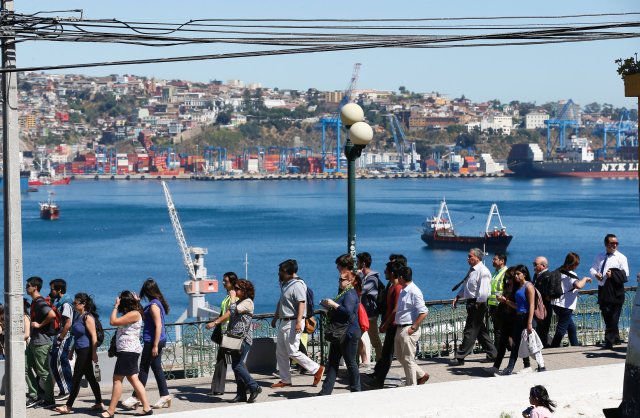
[{"x": 393, "y": 294}]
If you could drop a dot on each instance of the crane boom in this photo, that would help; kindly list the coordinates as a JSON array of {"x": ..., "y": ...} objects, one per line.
[
  {"x": 334, "y": 121},
  {"x": 177, "y": 228},
  {"x": 346, "y": 97},
  {"x": 402, "y": 144}
]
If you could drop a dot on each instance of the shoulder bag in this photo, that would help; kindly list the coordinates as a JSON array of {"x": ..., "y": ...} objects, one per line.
[
  {"x": 310, "y": 325},
  {"x": 231, "y": 342},
  {"x": 216, "y": 335},
  {"x": 336, "y": 332},
  {"x": 363, "y": 318},
  {"x": 113, "y": 351}
]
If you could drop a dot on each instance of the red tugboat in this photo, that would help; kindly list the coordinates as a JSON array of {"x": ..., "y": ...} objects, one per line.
[
  {"x": 49, "y": 210},
  {"x": 438, "y": 233}
]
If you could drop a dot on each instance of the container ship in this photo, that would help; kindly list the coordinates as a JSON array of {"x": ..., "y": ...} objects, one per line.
[
  {"x": 527, "y": 160},
  {"x": 438, "y": 233}
]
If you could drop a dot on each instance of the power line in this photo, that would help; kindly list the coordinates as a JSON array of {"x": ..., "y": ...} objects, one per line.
[{"x": 30, "y": 28}]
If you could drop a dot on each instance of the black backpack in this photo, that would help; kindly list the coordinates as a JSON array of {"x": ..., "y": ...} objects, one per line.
[
  {"x": 99, "y": 330},
  {"x": 551, "y": 285}
]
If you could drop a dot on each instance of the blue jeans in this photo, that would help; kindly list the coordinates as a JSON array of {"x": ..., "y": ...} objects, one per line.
[
  {"x": 155, "y": 363},
  {"x": 243, "y": 378},
  {"x": 348, "y": 349},
  {"x": 565, "y": 323}
]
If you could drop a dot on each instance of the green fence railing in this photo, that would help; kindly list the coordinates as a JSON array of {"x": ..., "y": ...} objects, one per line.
[{"x": 190, "y": 353}]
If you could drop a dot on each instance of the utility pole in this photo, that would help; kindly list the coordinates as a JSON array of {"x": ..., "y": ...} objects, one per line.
[{"x": 14, "y": 322}]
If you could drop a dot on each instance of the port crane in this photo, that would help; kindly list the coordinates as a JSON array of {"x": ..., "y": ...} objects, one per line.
[
  {"x": 401, "y": 142},
  {"x": 569, "y": 117},
  {"x": 625, "y": 132},
  {"x": 198, "y": 284},
  {"x": 335, "y": 122},
  {"x": 215, "y": 158}
]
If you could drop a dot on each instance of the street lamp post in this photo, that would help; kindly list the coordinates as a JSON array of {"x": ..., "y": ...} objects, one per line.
[{"x": 359, "y": 134}]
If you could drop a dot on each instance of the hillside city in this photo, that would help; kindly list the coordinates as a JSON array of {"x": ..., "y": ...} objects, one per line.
[{"x": 127, "y": 123}]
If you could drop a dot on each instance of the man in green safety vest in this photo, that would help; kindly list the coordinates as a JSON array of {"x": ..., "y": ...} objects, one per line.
[{"x": 500, "y": 266}]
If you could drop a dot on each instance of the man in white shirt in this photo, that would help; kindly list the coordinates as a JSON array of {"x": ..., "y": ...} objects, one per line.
[
  {"x": 475, "y": 290},
  {"x": 611, "y": 270},
  {"x": 410, "y": 312}
]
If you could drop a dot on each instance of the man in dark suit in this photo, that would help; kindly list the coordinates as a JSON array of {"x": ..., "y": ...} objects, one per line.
[{"x": 541, "y": 275}]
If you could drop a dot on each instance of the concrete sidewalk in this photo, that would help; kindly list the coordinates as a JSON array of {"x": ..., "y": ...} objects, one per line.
[
  {"x": 583, "y": 380},
  {"x": 581, "y": 392}
]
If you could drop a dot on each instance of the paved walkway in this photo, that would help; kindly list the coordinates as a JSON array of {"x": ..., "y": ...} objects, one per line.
[{"x": 592, "y": 374}]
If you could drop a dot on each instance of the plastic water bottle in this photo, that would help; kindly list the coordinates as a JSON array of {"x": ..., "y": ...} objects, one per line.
[{"x": 96, "y": 372}]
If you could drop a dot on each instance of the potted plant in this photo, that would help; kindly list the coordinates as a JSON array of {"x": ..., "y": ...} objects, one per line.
[{"x": 629, "y": 70}]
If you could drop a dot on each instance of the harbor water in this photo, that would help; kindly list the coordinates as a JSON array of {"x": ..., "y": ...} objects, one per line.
[{"x": 112, "y": 235}]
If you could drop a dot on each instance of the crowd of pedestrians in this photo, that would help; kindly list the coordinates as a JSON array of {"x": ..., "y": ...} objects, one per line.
[{"x": 59, "y": 328}]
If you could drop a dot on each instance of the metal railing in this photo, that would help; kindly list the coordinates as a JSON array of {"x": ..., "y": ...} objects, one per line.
[{"x": 194, "y": 354}]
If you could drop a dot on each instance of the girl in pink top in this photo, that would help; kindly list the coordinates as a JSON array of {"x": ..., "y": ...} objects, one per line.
[{"x": 541, "y": 405}]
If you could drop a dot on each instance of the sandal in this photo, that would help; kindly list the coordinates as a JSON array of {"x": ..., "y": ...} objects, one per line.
[
  {"x": 98, "y": 407},
  {"x": 64, "y": 409},
  {"x": 144, "y": 413},
  {"x": 109, "y": 415}
]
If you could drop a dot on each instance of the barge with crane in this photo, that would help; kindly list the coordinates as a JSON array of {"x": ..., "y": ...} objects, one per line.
[{"x": 438, "y": 233}]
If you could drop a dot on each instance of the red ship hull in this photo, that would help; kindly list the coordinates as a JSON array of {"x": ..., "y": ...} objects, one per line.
[
  {"x": 497, "y": 243},
  {"x": 56, "y": 182}
]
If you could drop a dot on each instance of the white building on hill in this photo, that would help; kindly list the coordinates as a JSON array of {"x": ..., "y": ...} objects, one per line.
[{"x": 535, "y": 120}]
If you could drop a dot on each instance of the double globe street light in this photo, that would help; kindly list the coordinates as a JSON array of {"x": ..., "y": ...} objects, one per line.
[{"x": 359, "y": 134}]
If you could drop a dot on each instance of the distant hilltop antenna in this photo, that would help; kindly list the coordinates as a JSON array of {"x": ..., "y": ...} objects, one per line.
[{"x": 198, "y": 284}]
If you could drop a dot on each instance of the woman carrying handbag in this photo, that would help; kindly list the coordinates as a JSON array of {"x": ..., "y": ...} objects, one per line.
[
  {"x": 343, "y": 320},
  {"x": 237, "y": 340},
  {"x": 524, "y": 304},
  {"x": 229, "y": 280}
]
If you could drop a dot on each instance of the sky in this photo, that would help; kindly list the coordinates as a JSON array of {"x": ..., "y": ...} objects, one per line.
[{"x": 584, "y": 72}]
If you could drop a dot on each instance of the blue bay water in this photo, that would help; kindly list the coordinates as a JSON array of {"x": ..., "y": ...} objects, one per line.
[{"x": 112, "y": 235}]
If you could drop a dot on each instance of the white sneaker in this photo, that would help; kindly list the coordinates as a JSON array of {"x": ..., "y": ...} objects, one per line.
[
  {"x": 491, "y": 370},
  {"x": 130, "y": 403},
  {"x": 526, "y": 370}
]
